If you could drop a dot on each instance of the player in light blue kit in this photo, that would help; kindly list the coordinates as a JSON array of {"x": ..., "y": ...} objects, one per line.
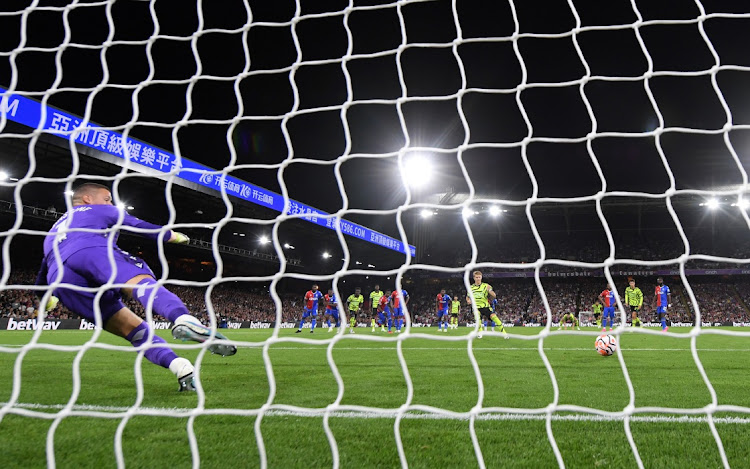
[
  {"x": 662, "y": 300},
  {"x": 442, "y": 305},
  {"x": 85, "y": 260}
]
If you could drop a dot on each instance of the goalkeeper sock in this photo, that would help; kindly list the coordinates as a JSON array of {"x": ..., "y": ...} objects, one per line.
[
  {"x": 165, "y": 303},
  {"x": 161, "y": 356}
]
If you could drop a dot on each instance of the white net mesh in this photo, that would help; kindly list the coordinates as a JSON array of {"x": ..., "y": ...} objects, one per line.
[{"x": 318, "y": 54}]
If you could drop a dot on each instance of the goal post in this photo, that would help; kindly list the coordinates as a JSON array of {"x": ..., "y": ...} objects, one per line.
[
  {"x": 586, "y": 319},
  {"x": 387, "y": 115}
]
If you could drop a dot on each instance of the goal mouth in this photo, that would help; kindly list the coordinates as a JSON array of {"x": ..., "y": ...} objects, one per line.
[{"x": 516, "y": 160}]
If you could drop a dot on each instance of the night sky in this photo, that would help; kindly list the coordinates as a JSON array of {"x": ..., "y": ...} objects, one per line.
[{"x": 521, "y": 97}]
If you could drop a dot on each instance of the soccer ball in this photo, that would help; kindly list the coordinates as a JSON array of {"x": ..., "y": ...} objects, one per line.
[{"x": 606, "y": 345}]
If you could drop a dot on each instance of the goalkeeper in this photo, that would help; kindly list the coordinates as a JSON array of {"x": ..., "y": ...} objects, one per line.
[
  {"x": 85, "y": 260},
  {"x": 634, "y": 301}
]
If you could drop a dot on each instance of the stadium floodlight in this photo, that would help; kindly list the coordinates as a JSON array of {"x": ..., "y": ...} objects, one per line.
[
  {"x": 417, "y": 170},
  {"x": 70, "y": 193},
  {"x": 358, "y": 263},
  {"x": 264, "y": 239},
  {"x": 326, "y": 255},
  {"x": 4, "y": 176},
  {"x": 425, "y": 213},
  {"x": 712, "y": 204},
  {"x": 467, "y": 212},
  {"x": 370, "y": 266},
  {"x": 495, "y": 211},
  {"x": 288, "y": 246},
  {"x": 743, "y": 204}
]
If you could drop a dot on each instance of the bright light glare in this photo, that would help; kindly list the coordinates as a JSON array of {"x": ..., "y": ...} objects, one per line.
[
  {"x": 288, "y": 246},
  {"x": 326, "y": 255},
  {"x": 70, "y": 193},
  {"x": 417, "y": 170},
  {"x": 712, "y": 204},
  {"x": 495, "y": 211},
  {"x": 120, "y": 205},
  {"x": 3, "y": 176},
  {"x": 744, "y": 204},
  {"x": 130, "y": 207},
  {"x": 264, "y": 239},
  {"x": 425, "y": 213},
  {"x": 467, "y": 212}
]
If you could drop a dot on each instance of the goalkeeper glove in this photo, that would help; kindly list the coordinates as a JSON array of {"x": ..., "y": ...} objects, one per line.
[
  {"x": 178, "y": 238},
  {"x": 51, "y": 303}
]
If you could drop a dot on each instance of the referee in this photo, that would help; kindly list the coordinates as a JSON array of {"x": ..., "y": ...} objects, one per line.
[{"x": 634, "y": 300}]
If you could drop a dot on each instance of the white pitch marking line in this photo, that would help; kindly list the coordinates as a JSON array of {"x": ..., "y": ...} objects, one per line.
[
  {"x": 322, "y": 347},
  {"x": 390, "y": 414}
]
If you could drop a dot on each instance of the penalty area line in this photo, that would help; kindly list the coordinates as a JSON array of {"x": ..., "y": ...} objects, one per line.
[
  {"x": 463, "y": 346},
  {"x": 391, "y": 414}
]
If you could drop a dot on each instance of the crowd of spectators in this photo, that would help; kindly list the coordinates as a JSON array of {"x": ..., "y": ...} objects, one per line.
[
  {"x": 519, "y": 300},
  {"x": 585, "y": 249}
]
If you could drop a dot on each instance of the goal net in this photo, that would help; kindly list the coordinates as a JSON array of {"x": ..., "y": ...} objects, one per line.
[{"x": 555, "y": 146}]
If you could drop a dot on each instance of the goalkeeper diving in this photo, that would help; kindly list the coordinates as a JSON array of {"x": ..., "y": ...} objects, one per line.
[{"x": 81, "y": 251}]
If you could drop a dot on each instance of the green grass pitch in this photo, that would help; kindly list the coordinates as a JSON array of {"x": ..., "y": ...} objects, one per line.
[{"x": 661, "y": 368}]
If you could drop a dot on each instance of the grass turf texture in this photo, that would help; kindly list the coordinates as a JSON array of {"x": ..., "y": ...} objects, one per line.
[{"x": 661, "y": 368}]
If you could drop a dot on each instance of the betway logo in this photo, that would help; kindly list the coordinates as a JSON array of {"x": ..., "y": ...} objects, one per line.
[
  {"x": 87, "y": 325},
  {"x": 234, "y": 325},
  {"x": 31, "y": 325},
  {"x": 260, "y": 325}
]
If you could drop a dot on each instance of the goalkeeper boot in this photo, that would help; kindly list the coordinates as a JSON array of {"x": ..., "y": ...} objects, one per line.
[
  {"x": 189, "y": 328},
  {"x": 187, "y": 383}
]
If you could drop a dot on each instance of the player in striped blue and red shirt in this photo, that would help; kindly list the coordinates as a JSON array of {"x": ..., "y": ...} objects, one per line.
[
  {"x": 607, "y": 298},
  {"x": 662, "y": 300},
  {"x": 442, "y": 305},
  {"x": 311, "y": 308}
]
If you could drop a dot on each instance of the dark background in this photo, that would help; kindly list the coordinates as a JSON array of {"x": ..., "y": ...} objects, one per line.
[{"x": 491, "y": 101}]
